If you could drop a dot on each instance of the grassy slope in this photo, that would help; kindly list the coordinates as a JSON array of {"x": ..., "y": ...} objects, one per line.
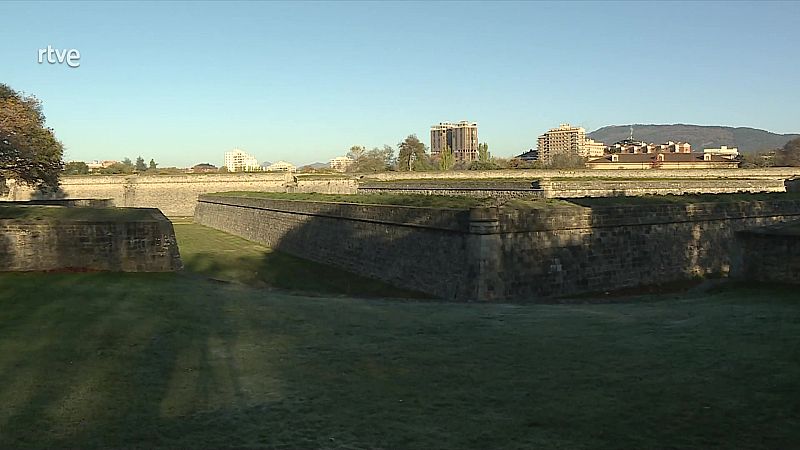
[
  {"x": 222, "y": 256},
  {"x": 155, "y": 360}
]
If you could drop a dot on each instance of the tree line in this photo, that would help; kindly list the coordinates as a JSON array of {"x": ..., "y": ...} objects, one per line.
[{"x": 123, "y": 167}]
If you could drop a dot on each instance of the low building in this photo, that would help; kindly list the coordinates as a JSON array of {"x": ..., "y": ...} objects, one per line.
[
  {"x": 204, "y": 168},
  {"x": 662, "y": 161},
  {"x": 634, "y": 147},
  {"x": 724, "y": 151},
  {"x": 529, "y": 156},
  {"x": 281, "y": 166},
  {"x": 341, "y": 163}
]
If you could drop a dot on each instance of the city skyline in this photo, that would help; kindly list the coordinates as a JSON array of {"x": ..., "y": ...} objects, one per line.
[{"x": 305, "y": 82}]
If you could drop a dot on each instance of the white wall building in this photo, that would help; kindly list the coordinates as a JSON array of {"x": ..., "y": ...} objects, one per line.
[
  {"x": 341, "y": 163},
  {"x": 724, "y": 151},
  {"x": 281, "y": 166},
  {"x": 237, "y": 160}
]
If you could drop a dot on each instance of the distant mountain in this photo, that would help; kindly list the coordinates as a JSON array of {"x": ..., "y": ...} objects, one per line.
[
  {"x": 266, "y": 164},
  {"x": 319, "y": 165},
  {"x": 748, "y": 140}
]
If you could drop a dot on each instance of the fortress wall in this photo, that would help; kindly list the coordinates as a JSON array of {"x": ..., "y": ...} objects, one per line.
[
  {"x": 420, "y": 249},
  {"x": 119, "y": 246},
  {"x": 502, "y": 254},
  {"x": 770, "y": 255},
  {"x": 176, "y": 195},
  {"x": 775, "y": 173}
]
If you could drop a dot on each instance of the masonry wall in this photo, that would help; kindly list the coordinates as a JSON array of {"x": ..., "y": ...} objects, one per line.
[
  {"x": 580, "y": 188},
  {"x": 565, "y": 251},
  {"x": 770, "y": 256},
  {"x": 500, "y": 254},
  {"x": 414, "y": 248},
  {"x": 132, "y": 246},
  {"x": 176, "y": 195}
]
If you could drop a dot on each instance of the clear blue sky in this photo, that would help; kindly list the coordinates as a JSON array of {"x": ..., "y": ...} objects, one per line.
[{"x": 183, "y": 82}]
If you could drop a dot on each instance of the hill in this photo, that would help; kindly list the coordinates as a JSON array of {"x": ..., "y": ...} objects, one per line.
[{"x": 748, "y": 140}]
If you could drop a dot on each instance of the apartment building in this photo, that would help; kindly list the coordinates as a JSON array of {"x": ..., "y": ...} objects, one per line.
[
  {"x": 341, "y": 163},
  {"x": 567, "y": 140},
  {"x": 237, "y": 160},
  {"x": 461, "y": 137}
]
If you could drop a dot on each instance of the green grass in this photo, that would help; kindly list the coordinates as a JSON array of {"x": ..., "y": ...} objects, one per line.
[
  {"x": 222, "y": 256},
  {"x": 425, "y": 201},
  {"x": 168, "y": 360},
  {"x": 65, "y": 213}
]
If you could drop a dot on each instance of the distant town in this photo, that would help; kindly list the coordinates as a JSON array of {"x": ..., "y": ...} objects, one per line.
[{"x": 456, "y": 146}]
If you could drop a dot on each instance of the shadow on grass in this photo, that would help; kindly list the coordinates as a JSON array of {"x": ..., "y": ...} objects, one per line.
[
  {"x": 118, "y": 360},
  {"x": 290, "y": 273}
]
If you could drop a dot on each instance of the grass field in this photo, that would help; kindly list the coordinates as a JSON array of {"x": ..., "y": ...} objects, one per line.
[{"x": 98, "y": 360}]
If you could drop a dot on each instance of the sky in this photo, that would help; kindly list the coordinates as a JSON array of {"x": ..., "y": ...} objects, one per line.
[{"x": 303, "y": 82}]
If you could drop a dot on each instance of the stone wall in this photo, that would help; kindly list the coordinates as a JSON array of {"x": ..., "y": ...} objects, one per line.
[
  {"x": 146, "y": 245},
  {"x": 498, "y": 194},
  {"x": 176, "y": 195},
  {"x": 676, "y": 186},
  {"x": 770, "y": 255},
  {"x": 774, "y": 173},
  {"x": 500, "y": 254},
  {"x": 416, "y": 248},
  {"x": 578, "y": 188}
]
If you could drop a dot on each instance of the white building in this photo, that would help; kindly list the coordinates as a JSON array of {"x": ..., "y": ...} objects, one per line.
[
  {"x": 237, "y": 160},
  {"x": 341, "y": 163},
  {"x": 724, "y": 151},
  {"x": 281, "y": 166}
]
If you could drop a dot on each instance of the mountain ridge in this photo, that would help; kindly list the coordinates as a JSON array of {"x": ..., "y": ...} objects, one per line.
[{"x": 746, "y": 139}]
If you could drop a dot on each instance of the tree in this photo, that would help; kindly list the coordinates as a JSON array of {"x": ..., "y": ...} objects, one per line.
[
  {"x": 140, "y": 167},
  {"x": 483, "y": 153},
  {"x": 29, "y": 152},
  {"x": 446, "y": 159},
  {"x": 412, "y": 155},
  {"x": 789, "y": 155},
  {"x": 375, "y": 160},
  {"x": 153, "y": 164},
  {"x": 127, "y": 162},
  {"x": 76, "y": 168}
]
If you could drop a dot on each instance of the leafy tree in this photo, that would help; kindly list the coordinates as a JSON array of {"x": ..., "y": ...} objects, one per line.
[
  {"x": 789, "y": 155},
  {"x": 566, "y": 161},
  {"x": 223, "y": 169},
  {"x": 76, "y": 168},
  {"x": 375, "y": 160},
  {"x": 412, "y": 155},
  {"x": 29, "y": 152},
  {"x": 153, "y": 164},
  {"x": 483, "y": 153},
  {"x": 356, "y": 153},
  {"x": 446, "y": 159},
  {"x": 140, "y": 167},
  {"x": 127, "y": 162}
]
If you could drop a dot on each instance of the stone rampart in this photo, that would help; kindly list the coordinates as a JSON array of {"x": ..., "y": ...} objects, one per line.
[
  {"x": 145, "y": 245},
  {"x": 771, "y": 254},
  {"x": 502, "y": 254},
  {"x": 176, "y": 195}
]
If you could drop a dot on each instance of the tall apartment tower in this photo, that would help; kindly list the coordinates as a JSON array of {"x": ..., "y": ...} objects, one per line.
[
  {"x": 461, "y": 137},
  {"x": 567, "y": 140}
]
